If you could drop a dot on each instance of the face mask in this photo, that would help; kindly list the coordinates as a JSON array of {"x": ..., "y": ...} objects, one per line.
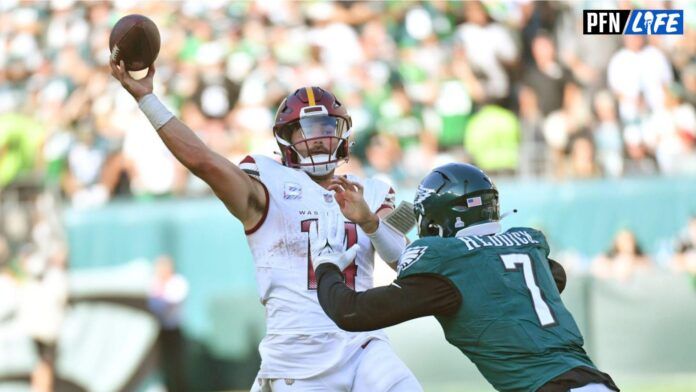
[{"x": 316, "y": 164}]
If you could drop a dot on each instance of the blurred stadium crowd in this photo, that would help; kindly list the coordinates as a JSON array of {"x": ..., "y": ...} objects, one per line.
[{"x": 513, "y": 87}]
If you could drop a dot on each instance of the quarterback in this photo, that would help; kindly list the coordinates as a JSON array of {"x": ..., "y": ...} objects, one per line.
[
  {"x": 303, "y": 349},
  {"x": 496, "y": 295}
]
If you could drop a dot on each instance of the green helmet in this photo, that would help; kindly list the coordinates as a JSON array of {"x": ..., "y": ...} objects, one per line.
[{"x": 452, "y": 197}]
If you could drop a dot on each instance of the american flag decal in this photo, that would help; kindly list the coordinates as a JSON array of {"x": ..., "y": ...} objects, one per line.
[{"x": 473, "y": 201}]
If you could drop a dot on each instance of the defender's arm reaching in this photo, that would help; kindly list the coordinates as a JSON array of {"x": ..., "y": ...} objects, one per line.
[
  {"x": 405, "y": 299},
  {"x": 380, "y": 307}
]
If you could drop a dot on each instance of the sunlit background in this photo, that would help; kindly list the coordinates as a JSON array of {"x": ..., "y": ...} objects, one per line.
[{"x": 109, "y": 246}]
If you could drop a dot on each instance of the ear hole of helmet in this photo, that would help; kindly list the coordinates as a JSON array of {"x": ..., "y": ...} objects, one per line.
[
  {"x": 435, "y": 230},
  {"x": 428, "y": 228}
]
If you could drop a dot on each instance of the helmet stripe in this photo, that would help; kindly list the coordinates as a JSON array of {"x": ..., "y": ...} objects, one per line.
[{"x": 310, "y": 96}]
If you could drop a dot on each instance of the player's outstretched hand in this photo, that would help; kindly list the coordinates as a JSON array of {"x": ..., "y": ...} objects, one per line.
[
  {"x": 136, "y": 88},
  {"x": 349, "y": 196},
  {"x": 327, "y": 242}
]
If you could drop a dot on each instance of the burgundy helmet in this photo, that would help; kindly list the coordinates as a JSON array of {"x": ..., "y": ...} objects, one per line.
[{"x": 317, "y": 114}]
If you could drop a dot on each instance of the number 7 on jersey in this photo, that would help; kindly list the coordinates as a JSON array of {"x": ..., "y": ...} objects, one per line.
[{"x": 513, "y": 262}]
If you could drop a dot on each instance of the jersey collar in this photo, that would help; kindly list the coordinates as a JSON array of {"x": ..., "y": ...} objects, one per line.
[{"x": 488, "y": 228}]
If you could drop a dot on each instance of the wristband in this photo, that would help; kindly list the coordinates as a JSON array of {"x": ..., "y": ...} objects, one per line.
[
  {"x": 388, "y": 242},
  {"x": 154, "y": 110}
]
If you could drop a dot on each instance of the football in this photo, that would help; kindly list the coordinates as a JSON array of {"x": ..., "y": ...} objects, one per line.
[{"x": 135, "y": 39}]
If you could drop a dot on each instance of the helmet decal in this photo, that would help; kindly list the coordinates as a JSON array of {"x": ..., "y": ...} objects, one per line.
[
  {"x": 410, "y": 256},
  {"x": 422, "y": 194},
  {"x": 310, "y": 96}
]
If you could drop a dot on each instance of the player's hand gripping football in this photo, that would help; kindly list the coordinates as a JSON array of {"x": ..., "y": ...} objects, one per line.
[
  {"x": 136, "y": 88},
  {"x": 327, "y": 242},
  {"x": 349, "y": 196}
]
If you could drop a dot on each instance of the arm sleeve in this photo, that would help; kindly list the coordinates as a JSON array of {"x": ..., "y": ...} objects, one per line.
[
  {"x": 405, "y": 299},
  {"x": 388, "y": 242},
  {"x": 559, "y": 275}
]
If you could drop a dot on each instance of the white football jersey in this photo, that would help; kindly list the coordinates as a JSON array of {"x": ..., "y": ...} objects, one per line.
[{"x": 301, "y": 339}]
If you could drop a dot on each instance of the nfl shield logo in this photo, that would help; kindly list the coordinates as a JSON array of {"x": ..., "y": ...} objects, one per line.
[{"x": 328, "y": 197}]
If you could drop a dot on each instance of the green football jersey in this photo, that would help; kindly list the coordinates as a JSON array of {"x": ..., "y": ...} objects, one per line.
[{"x": 512, "y": 323}]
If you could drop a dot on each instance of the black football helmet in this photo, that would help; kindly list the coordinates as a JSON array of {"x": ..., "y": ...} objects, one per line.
[{"x": 452, "y": 197}]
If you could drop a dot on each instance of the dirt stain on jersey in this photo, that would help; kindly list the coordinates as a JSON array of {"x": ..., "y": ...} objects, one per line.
[{"x": 296, "y": 247}]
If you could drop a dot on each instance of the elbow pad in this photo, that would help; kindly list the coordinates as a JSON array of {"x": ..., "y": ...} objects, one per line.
[{"x": 388, "y": 242}]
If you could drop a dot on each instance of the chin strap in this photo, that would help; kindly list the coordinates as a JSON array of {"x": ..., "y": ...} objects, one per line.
[{"x": 310, "y": 165}]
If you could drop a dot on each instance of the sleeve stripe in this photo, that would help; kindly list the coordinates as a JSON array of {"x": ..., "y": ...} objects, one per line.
[
  {"x": 247, "y": 159},
  {"x": 251, "y": 172},
  {"x": 248, "y": 165}
]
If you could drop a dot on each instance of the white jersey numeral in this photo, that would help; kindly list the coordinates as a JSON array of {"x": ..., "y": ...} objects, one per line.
[{"x": 512, "y": 262}]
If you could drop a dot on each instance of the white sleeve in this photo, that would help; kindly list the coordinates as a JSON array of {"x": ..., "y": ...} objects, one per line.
[{"x": 388, "y": 242}]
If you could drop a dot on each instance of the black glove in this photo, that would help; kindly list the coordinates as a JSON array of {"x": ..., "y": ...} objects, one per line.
[{"x": 559, "y": 274}]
